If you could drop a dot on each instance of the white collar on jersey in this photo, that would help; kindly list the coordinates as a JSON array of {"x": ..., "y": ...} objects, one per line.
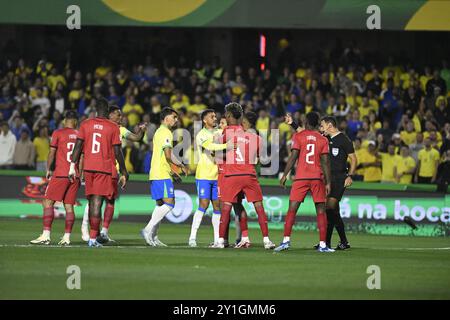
[{"x": 335, "y": 135}]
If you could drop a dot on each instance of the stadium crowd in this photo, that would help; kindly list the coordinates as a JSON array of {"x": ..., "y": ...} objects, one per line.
[{"x": 397, "y": 115}]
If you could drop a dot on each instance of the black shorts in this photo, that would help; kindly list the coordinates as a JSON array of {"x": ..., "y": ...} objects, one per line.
[{"x": 337, "y": 187}]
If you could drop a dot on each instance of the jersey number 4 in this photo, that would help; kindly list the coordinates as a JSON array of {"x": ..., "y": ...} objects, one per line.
[
  {"x": 310, "y": 155},
  {"x": 95, "y": 143}
]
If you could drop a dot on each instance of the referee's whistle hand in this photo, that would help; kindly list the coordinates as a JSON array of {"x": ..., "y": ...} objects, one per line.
[
  {"x": 348, "y": 182},
  {"x": 328, "y": 188}
]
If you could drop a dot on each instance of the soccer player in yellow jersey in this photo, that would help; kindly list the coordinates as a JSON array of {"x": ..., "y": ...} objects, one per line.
[
  {"x": 406, "y": 167},
  {"x": 428, "y": 164},
  {"x": 115, "y": 115},
  {"x": 161, "y": 174},
  {"x": 206, "y": 175}
]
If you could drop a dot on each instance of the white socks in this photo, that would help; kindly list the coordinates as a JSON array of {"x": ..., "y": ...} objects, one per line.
[
  {"x": 104, "y": 231},
  {"x": 286, "y": 239},
  {"x": 216, "y": 223},
  {"x": 196, "y": 221},
  {"x": 322, "y": 244},
  {"x": 158, "y": 214},
  {"x": 86, "y": 215},
  {"x": 46, "y": 233}
]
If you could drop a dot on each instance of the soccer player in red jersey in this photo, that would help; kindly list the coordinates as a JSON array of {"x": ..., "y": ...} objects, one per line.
[
  {"x": 60, "y": 188},
  {"x": 99, "y": 139},
  {"x": 310, "y": 150},
  {"x": 115, "y": 115},
  {"x": 240, "y": 214},
  {"x": 240, "y": 174}
]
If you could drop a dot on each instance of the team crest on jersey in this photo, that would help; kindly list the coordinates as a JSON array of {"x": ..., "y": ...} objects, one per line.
[
  {"x": 335, "y": 151},
  {"x": 202, "y": 191}
]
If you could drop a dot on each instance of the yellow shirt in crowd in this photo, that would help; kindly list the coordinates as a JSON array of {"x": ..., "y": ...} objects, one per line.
[
  {"x": 405, "y": 164},
  {"x": 42, "y": 146},
  {"x": 427, "y": 160}
]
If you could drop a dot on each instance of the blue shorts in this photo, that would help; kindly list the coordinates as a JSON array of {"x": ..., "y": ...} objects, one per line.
[
  {"x": 161, "y": 189},
  {"x": 206, "y": 189}
]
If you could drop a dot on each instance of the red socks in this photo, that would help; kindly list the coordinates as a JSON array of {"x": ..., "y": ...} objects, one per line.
[
  {"x": 108, "y": 215},
  {"x": 224, "y": 219},
  {"x": 262, "y": 220},
  {"x": 243, "y": 224},
  {"x": 322, "y": 225},
  {"x": 289, "y": 222},
  {"x": 70, "y": 219},
  {"x": 48, "y": 218},
  {"x": 94, "y": 223}
]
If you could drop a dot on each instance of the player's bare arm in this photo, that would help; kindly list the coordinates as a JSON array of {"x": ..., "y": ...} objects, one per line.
[
  {"x": 123, "y": 170},
  {"x": 50, "y": 162},
  {"x": 353, "y": 164},
  {"x": 326, "y": 169},
  {"x": 136, "y": 137},
  {"x": 76, "y": 154},
  {"x": 290, "y": 163},
  {"x": 172, "y": 160},
  {"x": 81, "y": 166}
]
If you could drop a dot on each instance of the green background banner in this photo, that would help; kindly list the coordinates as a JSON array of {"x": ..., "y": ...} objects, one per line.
[{"x": 293, "y": 14}]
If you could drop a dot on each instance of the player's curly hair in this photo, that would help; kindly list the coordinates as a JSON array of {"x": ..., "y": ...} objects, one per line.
[{"x": 235, "y": 109}]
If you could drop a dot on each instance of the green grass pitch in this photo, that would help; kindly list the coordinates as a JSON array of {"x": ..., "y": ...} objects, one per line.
[{"x": 411, "y": 268}]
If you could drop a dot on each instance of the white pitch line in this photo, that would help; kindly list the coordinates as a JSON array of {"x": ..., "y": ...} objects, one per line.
[{"x": 180, "y": 247}]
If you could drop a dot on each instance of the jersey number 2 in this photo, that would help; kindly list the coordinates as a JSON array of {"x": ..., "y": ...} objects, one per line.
[
  {"x": 95, "y": 143},
  {"x": 310, "y": 155},
  {"x": 70, "y": 146}
]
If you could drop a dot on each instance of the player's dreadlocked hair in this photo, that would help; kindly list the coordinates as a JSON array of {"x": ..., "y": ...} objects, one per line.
[{"x": 235, "y": 109}]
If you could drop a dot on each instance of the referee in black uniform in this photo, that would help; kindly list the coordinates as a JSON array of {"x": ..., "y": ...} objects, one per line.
[{"x": 341, "y": 149}]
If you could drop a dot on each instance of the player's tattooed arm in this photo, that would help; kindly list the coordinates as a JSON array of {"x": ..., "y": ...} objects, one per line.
[
  {"x": 50, "y": 162},
  {"x": 290, "y": 163},
  {"x": 123, "y": 170},
  {"x": 172, "y": 160},
  {"x": 325, "y": 165}
]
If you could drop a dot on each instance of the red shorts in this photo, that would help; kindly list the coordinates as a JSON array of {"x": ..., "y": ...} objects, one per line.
[
  {"x": 99, "y": 184},
  {"x": 61, "y": 189},
  {"x": 237, "y": 186},
  {"x": 115, "y": 186},
  {"x": 219, "y": 184},
  {"x": 301, "y": 187}
]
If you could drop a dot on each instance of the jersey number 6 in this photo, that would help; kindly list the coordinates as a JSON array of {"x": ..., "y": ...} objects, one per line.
[{"x": 95, "y": 143}]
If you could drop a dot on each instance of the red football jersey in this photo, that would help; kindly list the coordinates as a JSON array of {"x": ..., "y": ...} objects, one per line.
[
  {"x": 311, "y": 145},
  {"x": 99, "y": 136},
  {"x": 63, "y": 140},
  {"x": 242, "y": 160}
]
